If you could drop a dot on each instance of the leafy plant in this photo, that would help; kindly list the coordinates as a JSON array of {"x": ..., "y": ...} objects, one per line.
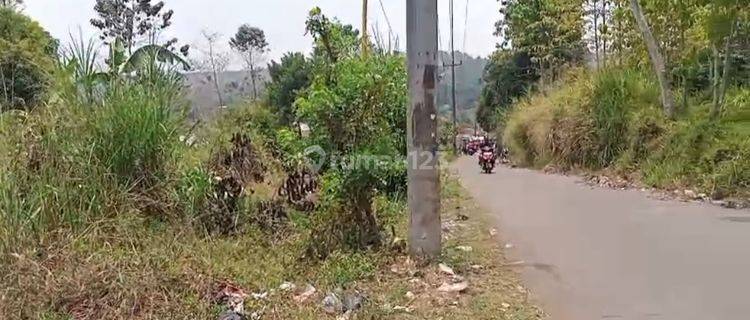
[{"x": 27, "y": 55}]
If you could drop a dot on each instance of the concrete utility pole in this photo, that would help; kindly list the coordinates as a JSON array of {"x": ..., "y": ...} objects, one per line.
[
  {"x": 423, "y": 172},
  {"x": 453, "y": 66}
]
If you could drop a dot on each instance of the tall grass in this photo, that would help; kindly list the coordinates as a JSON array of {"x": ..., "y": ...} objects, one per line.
[
  {"x": 77, "y": 160},
  {"x": 134, "y": 132},
  {"x": 613, "y": 119}
]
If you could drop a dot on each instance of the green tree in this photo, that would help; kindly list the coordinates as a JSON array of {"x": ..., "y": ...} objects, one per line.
[
  {"x": 721, "y": 24},
  {"x": 288, "y": 78},
  {"x": 356, "y": 110},
  {"x": 214, "y": 61},
  {"x": 11, "y": 3},
  {"x": 250, "y": 43},
  {"x": 135, "y": 22},
  {"x": 657, "y": 58},
  {"x": 27, "y": 56},
  {"x": 333, "y": 40},
  {"x": 550, "y": 31},
  {"x": 507, "y": 77}
]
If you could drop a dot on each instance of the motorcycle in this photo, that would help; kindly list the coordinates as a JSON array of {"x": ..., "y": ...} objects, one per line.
[
  {"x": 471, "y": 148},
  {"x": 487, "y": 161}
]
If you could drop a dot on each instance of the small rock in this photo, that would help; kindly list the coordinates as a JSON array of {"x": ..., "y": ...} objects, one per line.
[
  {"x": 493, "y": 232},
  {"x": 454, "y": 287},
  {"x": 462, "y": 217},
  {"x": 353, "y": 301},
  {"x": 465, "y": 248},
  {"x": 331, "y": 304},
  {"x": 287, "y": 286},
  {"x": 305, "y": 295},
  {"x": 446, "y": 269},
  {"x": 509, "y": 245},
  {"x": 477, "y": 267},
  {"x": 505, "y": 305}
]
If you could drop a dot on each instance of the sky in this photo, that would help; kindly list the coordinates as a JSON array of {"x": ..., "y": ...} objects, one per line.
[{"x": 282, "y": 20}]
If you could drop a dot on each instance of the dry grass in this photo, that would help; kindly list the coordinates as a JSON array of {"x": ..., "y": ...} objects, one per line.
[
  {"x": 494, "y": 292},
  {"x": 138, "y": 268}
]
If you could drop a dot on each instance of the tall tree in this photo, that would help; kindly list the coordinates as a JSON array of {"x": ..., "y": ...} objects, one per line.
[
  {"x": 507, "y": 76},
  {"x": 134, "y": 22},
  {"x": 288, "y": 78},
  {"x": 721, "y": 26},
  {"x": 214, "y": 61},
  {"x": 550, "y": 31},
  {"x": 250, "y": 43},
  {"x": 333, "y": 40},
  {"x": 13, "y": 4},
  {"x": 657, "y": 59}
]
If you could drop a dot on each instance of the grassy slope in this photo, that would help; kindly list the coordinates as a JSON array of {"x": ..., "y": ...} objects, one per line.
[
  {"x": 613, "y": 120},
  {"x": 77, "y": 244}
]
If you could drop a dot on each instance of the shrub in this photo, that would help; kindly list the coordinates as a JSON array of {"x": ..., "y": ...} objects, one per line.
[
  {"x": 609, "y": 112},
  {"x": 48, "y": 180},
  {"x": 27, "y": 55},
  {"x": 356, "y": 110},
  {"x": 134, "y": 134}
]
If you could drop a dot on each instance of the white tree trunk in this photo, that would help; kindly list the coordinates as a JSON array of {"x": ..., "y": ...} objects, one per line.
[{"x": 657, "y": 59}]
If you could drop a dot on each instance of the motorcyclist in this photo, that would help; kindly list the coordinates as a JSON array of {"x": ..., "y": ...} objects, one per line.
[{"x": 487, "y": 145}]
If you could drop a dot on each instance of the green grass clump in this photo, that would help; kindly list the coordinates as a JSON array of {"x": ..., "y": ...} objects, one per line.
[
  {"x": 134, "y": 133},
  {"x": 342, "y": 269}
]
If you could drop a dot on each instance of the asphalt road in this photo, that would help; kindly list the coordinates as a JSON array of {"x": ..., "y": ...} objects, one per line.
[{"x": 594, "y": 253}]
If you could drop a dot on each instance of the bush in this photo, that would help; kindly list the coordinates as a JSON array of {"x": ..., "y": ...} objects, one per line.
[
  {"x": 27, "y": 55},
  {"x": 48, "y": 180},
  {"x": 134, "y": 134},
  {"x": 356, "y": 110},
  {"x": 71, "y": 164}
]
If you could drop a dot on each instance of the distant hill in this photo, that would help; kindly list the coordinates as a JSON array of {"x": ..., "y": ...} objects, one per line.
[
  {"x": 468, "y": 85},
  {"x": 201, "y": 92},
  {"x": 236, "y": 86}
]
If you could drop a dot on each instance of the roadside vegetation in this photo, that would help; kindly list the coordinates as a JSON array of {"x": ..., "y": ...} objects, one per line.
[
  {"x": 114, "y": 206},
  {"x": 595, "y": 98}
]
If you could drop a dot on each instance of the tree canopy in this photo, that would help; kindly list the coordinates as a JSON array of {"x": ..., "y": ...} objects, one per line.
[{"x": 27, "y": 56}]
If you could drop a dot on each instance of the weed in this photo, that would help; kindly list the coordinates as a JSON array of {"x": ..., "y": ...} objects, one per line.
[{"x": 341, "y": 269}]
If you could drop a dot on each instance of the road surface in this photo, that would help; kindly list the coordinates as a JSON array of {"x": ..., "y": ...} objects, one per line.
[{"x": 594, "y": 253}]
